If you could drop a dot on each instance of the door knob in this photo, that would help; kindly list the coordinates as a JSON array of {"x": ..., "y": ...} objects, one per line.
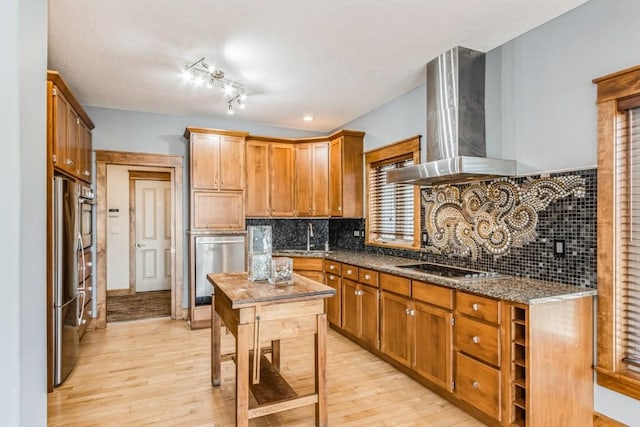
[{"x": 140, "y": 245}]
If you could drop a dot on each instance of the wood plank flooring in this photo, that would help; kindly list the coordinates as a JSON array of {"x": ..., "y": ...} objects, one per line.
[
  {"x": 156, "y": 372},
  {"x": 141, "y": 305}
]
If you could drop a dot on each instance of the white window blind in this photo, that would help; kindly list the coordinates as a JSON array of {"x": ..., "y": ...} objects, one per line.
[
  {"x": 391, "y": 207},
  {"x": 628, "y": 237}
]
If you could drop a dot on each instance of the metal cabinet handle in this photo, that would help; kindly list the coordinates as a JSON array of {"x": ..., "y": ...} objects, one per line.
[
  {"x": 406, "y": 310},
  {"x": 332, "y": 267},
  {"x": 367, "y": 277},
  {"x": 475, "y": 306},
  {"x": 476, "y": 339},
  {"x": 355, "y": 292},
  {"x": 68, "y": 162},
  {"x": 412, "y": 312},
  {"x": 349, "y": 271},
  {"x": 332, "y": 277},
  {"x": 475, "y": 385}
]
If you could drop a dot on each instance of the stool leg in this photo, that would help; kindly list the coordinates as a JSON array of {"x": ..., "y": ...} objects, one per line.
[
  {"x": 275, "y": 354},
  {"x": 321, "y": 371}
]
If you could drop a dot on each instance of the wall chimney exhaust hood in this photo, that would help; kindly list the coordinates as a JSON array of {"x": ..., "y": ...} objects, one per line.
[{"x": 455, "y": 125}]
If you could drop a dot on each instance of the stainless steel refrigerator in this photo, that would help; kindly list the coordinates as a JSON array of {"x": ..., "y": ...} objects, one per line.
[{"x": 67, "y": 304}]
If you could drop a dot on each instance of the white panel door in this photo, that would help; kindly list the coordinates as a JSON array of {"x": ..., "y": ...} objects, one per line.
[{"x": 153, "y": 235}]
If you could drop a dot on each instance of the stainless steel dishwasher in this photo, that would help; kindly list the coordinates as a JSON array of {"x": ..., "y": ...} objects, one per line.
[{"x": 216, "y": 254}]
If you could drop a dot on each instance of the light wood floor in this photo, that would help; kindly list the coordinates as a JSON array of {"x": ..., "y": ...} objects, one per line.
[{"x": 156, "y": 372}]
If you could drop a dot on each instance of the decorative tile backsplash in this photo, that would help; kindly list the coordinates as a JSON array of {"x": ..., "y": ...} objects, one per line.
[
  {"x": 490, "y": 216},
  {"x": 570, "y": 219}
]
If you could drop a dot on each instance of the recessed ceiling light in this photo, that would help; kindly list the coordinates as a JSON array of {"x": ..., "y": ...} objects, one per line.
[{"x": 308, "y": 118}]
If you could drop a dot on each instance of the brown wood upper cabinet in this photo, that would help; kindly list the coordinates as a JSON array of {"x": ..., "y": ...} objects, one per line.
[
  {"x": 217, "y": 162},
  {"x": 345, "y": 175},
  {"x": 270, "y": 178},
  {"x": 69, "y": 130},
  {"x": 312, "y": 179}
]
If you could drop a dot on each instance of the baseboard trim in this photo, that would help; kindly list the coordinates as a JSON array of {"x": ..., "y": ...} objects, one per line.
[{"x": 600, "y": 420}]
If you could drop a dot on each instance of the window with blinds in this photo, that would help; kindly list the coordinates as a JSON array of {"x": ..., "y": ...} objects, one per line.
[
  {"x": 391, "y": 206},
  {"x": 393, "y": 210},
  {"x": 627, "y": 177}
]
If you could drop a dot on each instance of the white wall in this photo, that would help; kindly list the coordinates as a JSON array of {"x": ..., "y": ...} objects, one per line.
[
  {"x": 23, "y": 55},
  {"x": 540, "y": 106}
]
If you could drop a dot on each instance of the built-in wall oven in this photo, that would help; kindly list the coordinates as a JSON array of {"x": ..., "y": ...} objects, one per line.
[{"x": 87, "y": 201}]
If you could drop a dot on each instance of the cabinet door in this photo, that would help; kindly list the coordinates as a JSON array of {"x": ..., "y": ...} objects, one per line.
[
  {"x": 60, "y": 134},
  {"x": 218, "y": 210},
  {"x": 231, "y": 163},
  {"x": 258, "y": 179},
  {"x": 72, "y": 163},
  {"x": 205, "y": 154},
  {"x": 84, "y": 152},
  {"x": 335, "y": 177},
  {"x": 395, "y": 327},
  {"x": 304, "y": 179},
  {"x": 320, "y": 179},
  {"x": 333, "y": 304},
  {"x": 350, "y": 307},
  {"x": 433, "y": 351},
  {"x": 369, "y": 315},
  {"x": 282, "y": 175}
]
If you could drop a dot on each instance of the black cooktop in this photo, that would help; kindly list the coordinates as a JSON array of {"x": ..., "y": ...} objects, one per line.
[{"x": 447, "y": 271}]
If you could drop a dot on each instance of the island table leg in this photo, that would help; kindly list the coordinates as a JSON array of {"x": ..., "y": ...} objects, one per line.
[
  {"x": 215, "y": 345},
  {"x": 322, "y": 419}
]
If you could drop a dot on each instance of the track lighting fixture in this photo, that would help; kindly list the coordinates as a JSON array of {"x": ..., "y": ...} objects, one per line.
[{"x": 200, "y": 72}]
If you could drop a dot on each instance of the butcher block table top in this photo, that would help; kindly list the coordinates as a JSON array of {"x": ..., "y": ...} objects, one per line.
[
  {"x": 258, "y": 311},
  {"x": 243, "y": 292}
]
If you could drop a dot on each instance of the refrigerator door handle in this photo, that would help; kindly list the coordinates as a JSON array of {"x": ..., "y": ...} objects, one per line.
[
  {"x": 84, "y": 268},
  {"x": 81, "y": 311}
]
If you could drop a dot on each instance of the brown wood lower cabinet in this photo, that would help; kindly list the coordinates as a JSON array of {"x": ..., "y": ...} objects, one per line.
[
  {"x": 414, "y": 333},
  {"x": 360, "y": 311},
  {"x": 507, "y": 364}
]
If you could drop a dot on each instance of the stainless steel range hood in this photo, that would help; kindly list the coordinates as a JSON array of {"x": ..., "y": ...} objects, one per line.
[{"x": 455, "y": 125}]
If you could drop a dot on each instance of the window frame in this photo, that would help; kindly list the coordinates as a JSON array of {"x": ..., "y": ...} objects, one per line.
[
  {"x": 617, "y": 92},
  {"x": 401, "y": 150}
]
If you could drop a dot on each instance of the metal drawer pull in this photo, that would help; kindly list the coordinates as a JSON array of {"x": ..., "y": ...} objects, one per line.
[
  {"x": 349, "y": 271},
  {"x": 412, "y": 312},
  {"x": 475, "y": 306},
  {"x": 476, "y": 339},
  {"x": 475, "y": 385},
  {"x": 332, "y": 277},
  {"x": 406, "y": 310},
  {"x": 367, "y": 277},
  {"x": 332, "y": 267}
]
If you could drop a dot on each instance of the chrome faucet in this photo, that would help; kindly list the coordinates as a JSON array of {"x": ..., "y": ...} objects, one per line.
[{"x": 309, "y": 236}]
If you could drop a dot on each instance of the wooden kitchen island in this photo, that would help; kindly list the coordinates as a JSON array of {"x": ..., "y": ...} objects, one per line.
[{"x": 257, "y": 313}]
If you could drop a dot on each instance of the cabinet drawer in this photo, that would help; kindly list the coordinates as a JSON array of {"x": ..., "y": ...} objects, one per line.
[
  {"x": 478, "y": 339},
  {"x": 310, "y": 264},
  {"x": 398, "y": 285},
  {"x": 478, "y": 384},
  {"x": 332, "y": 267},
  {"x": 478, "y": 307},
  {"x": 332, "y": 279},
  {"x": 350, "y": 272},
  {"x": 369, "y": 277},
  {"x": 432, "y": 294}
]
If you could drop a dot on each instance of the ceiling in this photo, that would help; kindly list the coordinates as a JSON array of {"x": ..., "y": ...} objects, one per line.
[{"x": 333, "y": 59}]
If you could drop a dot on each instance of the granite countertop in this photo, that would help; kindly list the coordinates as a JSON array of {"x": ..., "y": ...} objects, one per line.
[{"x": 515, "y": 289}]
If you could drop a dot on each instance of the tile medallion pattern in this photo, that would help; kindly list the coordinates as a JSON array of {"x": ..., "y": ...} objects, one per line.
[{"x": 494, "y": 216}]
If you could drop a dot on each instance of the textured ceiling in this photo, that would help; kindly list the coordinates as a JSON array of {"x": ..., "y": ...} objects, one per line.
[{"x": 334, "y": 59}]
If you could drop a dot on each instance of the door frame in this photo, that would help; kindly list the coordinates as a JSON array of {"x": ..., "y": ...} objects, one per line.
[
  {"x": 134, "y": 176},
  {"x": 175, "y": 165}
]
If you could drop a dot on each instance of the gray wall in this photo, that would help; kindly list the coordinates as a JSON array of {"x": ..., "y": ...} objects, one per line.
[
  {"x": 540, "y": 106},
  {"x": 120, "y": 130},
  {"x": 23, "y": 53}
]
